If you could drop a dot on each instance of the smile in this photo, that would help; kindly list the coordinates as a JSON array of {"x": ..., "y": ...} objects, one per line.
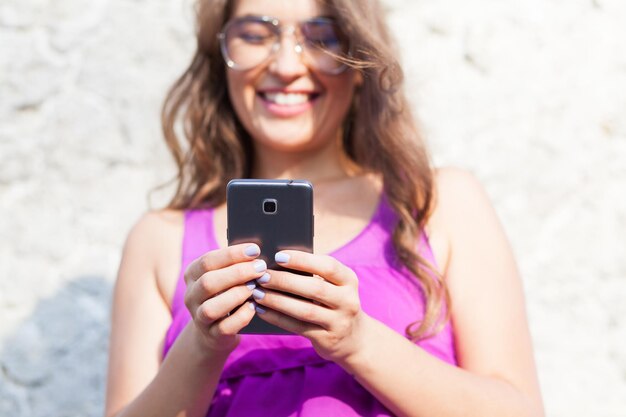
[
  {"x": 287, "y": 99},
  {"x": 287, "y": 104}
]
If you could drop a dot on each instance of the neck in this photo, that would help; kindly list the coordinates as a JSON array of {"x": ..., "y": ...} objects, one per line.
[{"x": 317, "y": 166}]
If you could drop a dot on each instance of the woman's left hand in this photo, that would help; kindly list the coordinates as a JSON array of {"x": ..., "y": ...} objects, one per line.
[{"x": 330, "y": 314}]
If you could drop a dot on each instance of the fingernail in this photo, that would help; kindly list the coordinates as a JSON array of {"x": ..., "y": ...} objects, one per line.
[
  {"x": 259, "y": 309},
  {"x": 251, "y": 285},
  {"x": 260, "y": 265},
  {"x": 258, "y": 294},
  {"x": 252, "y": 306},
  {"x": 281, "y": 258},
  {"x": 264, "y": 278},
  {"x": 252, "y": 250}
]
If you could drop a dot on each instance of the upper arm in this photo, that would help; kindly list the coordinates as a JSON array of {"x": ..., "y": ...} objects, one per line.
[
  {"x": 140, "y": 313},
  {"x": 488, "y": 307}
]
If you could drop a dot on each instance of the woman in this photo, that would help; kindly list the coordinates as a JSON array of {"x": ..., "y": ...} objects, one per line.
[{"x": 417, "y": 307}]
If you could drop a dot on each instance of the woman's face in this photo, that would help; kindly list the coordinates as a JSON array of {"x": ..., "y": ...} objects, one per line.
[{"x": 285, "y": 103}]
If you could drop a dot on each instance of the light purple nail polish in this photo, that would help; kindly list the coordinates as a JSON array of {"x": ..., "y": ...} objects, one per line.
[
  {"x": 260, "y": 265},
  {"x": 252, "y": 306},
  {"x": 252, "y": 250},
  {"x": 264, "y": 279},
  {"x": 251, "y": 285},
  {"x": 259, "y": 309},
  {"x": 281, "y": 258},
  {"x": 258, "y": 294}
]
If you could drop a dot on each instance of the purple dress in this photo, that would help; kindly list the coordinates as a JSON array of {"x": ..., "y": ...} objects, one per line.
[{"x": 283, "y": 375}]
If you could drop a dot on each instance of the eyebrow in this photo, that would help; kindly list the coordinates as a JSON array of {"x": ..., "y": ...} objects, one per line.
[{"x": 261, "y": 16}]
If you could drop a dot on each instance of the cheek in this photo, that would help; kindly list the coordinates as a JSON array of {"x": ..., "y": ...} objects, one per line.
[
  {"x": 343, "y": 94},
  {"x": 240, "y": 97}
]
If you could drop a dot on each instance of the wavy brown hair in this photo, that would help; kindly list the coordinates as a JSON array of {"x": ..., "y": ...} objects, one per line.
[{"x": 210, "y": 146}]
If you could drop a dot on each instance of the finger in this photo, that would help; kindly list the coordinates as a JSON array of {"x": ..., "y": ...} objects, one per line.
[
  {"x": 220, "y": 258},
  {"x": 312, "y": 288},
  {"x": 215, "y": 282},
  {"x": 220, "y": 306},
  {"x": 288, "y": 323},
  {"x": 325, "y": 266},
  {"x": 299, "y": 309},
  {"x": 231, "y": 325}
]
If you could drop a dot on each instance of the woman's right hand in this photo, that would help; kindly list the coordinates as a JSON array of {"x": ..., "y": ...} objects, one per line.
[{"x": 219, "y": 282}]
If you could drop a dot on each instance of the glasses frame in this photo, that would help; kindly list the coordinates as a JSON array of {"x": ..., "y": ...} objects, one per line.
[{"x": 279, "y": 30}]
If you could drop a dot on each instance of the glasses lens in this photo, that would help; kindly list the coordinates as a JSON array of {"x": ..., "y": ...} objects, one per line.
[
  {"x": 247, "y": 43},
  {"x": 324, "y": 43}
]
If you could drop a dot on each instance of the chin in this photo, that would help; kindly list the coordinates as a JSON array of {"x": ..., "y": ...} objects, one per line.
[
  {"x": 288, "y": 144},
  {"x": 286, "y": 135}
]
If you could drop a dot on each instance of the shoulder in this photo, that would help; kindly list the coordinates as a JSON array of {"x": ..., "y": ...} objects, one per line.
[
  {"x": 154, "y": 244},
  {"x": 460, "y": 206},
  {"x": 459, "y": 196},
  {"x": 456, "y": 185},
  {"x": 468, "y": 225},
  {"x": 153, "y": 228}
]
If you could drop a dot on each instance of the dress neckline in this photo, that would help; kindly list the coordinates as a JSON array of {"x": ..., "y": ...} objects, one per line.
[{"x": 374, "y": 219}]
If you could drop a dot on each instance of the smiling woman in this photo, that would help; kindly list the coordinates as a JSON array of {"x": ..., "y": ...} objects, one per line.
[{"x": 391, "y": 316}]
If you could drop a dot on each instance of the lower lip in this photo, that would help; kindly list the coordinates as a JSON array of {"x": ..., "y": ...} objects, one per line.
[{"x": 287, "y": 110}]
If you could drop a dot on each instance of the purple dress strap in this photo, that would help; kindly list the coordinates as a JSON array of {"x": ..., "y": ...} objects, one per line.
[{"x": 198, "y": 238}]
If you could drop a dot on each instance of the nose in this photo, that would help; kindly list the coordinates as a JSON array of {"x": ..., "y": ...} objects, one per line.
[{"x": 287, "y": 62}]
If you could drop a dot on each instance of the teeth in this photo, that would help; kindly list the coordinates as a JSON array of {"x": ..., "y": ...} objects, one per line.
[{"x": 287, "y": 99}]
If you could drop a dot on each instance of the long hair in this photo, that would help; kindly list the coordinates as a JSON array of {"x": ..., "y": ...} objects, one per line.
[{"x": 210, "y": 146}]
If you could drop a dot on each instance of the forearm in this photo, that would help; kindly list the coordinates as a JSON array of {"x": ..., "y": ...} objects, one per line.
[
  {"x": 184, "y": 385},
  {"x": 411, "y": 382}
]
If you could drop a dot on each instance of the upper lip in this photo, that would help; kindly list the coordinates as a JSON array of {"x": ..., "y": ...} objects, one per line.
[{"x": 285, "y": 91}]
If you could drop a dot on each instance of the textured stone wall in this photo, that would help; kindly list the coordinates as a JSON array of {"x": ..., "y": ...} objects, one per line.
[{"x": 529, "y": 95}]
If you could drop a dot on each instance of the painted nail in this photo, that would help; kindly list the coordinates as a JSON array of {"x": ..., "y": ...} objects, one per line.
[
  {"x": 281, "y": 258},
  {"x": 252, "y": 306},
  {"x": 252, "y": 250},
  {"x": 251, "y": 285},
  {"x": 264, "y": 278},
  {"x": 260, "y": 265},
  {"x": 258, "y": 294},
  {"x": 259, "y": 309}
]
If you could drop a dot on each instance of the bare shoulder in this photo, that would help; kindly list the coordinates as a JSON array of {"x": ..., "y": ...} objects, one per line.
[
  {"x": 462, "y": 206},
  {"x": 459, "y": 199},
  {"x": 154, "y": 222},
  {"x": 154, "y": 241},
  {"x": 155, "y": 232},
  {"x": 456, "y": 188}
]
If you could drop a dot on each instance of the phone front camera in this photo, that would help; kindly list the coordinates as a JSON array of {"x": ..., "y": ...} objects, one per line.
[{"x": 269, "y": 206}]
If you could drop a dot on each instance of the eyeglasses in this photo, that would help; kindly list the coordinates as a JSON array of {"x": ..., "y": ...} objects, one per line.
[{"x": 251, "y": 40}]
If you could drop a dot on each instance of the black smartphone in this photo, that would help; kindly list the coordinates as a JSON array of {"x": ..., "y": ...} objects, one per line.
[{"x": 276, "y": 215}]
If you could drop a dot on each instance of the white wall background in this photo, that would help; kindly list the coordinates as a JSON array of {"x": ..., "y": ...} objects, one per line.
[{"x": 529, "y": 95}]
